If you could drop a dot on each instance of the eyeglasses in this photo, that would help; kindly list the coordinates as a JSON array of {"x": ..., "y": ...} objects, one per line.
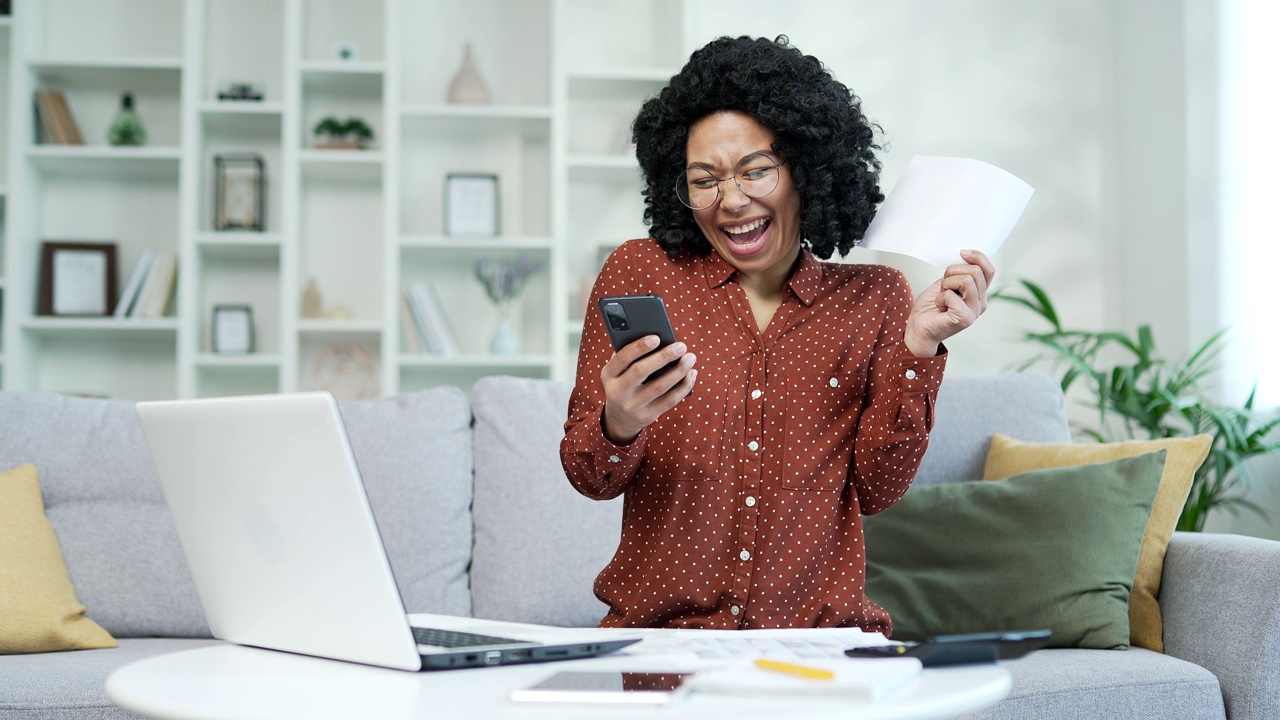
[{"x": 755, "y": 175}]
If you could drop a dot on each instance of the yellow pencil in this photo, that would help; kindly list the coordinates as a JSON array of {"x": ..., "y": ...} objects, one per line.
[{"x": 797, "y": 670}]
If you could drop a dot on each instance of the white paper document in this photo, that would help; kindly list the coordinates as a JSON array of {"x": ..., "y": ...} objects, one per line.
[
  {"x": 942, "y": 205},
  {"x": 862, "y": 679}
]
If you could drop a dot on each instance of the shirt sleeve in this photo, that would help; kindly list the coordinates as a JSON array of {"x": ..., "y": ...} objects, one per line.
[
  {"x": 595, "y": 466},
  {"x": 893, "y": 431}
]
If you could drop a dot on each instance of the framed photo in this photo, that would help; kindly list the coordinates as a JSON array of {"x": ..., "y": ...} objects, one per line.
[
  {"x": 471, "y": 205},
  {"x": 232, "y": 329},
  {"x": 77, "y": 278},
  {"x": 239, "y": 189}
]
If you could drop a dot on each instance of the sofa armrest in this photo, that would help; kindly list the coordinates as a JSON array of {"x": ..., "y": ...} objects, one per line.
[{"x": 1220, "y": 599}]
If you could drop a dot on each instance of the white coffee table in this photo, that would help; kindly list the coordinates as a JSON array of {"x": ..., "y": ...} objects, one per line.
[{"x": 231, "y": 681}]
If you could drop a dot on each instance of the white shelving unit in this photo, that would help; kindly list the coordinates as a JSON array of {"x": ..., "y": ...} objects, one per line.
[{"x": 362, "y": 223}]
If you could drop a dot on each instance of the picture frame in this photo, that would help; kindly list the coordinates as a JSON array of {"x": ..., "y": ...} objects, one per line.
[
  {"x": 471, "y": 205},
  {"x": 239, "y": 192},
  {"x": 232, "y": 330},
  {"x": 77, "y": 279}
]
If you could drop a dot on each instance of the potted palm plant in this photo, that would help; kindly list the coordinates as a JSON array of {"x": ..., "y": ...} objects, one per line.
[{"x": 1137, "y": 393}]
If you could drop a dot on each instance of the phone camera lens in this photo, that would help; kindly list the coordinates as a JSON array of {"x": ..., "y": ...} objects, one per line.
[{"x": 617, "y": 317}]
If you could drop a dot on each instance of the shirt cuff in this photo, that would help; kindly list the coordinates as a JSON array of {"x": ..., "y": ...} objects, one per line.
[
  {"x": 606, "y": 457},
  {"x": 920, "y": 374}
]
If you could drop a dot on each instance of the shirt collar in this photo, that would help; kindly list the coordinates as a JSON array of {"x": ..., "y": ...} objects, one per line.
[{"x": 803, "y": 282}]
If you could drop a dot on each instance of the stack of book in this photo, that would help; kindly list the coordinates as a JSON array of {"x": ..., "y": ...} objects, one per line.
[
  {"x": 150, "y": 286},
  {"x": 56, "y": 126},
  {"x": 425, "y": 324}
]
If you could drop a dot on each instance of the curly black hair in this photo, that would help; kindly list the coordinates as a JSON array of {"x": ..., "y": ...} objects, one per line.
[{"x": 818, "y": 125}]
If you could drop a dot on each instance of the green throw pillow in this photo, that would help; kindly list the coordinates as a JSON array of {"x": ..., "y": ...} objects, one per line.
[{"x": 1053, "y": 548}]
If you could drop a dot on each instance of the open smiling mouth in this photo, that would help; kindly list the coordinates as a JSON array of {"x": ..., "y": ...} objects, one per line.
[{"x": 748, "y": 233}]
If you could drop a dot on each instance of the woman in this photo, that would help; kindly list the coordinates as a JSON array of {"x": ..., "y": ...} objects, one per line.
[{"x": 802, "y": 393}]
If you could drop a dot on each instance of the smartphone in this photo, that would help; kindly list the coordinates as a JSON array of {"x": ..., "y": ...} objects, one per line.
[
  {"x": 631, "y": 317},
  {"x": 962, "y": 649},
  {"x": 606, "y": 686}
]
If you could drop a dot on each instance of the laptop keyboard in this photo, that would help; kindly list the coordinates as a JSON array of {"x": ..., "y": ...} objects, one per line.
[{"x": 458, "y": 639}]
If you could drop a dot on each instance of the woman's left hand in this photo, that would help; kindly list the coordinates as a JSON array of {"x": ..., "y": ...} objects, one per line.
[{"x": 949, "y": 305}]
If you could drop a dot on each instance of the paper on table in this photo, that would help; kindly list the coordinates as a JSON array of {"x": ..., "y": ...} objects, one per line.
[
  {"x": 943, "y": 204},
  {"x": 866, "y": 679}
]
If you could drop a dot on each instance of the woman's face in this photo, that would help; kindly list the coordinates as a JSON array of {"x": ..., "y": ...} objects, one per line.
[{"x": 758, "y": 236}]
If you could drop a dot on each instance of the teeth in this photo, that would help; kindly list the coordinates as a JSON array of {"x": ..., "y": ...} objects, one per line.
[{"x": 745, "y": 228}]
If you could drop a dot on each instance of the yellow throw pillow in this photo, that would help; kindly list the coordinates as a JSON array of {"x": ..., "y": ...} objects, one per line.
[
  {"x": 39, "y": 611},
  {"x": 1010, "y": 457}
]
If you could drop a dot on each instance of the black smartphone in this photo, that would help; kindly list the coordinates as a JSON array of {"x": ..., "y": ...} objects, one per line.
[
  {"x": 631, "y": 317},
  {"x": 962, "y": 649}
]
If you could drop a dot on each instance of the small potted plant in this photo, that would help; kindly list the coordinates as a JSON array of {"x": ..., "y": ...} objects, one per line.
[{"x": 350, "y": 134}]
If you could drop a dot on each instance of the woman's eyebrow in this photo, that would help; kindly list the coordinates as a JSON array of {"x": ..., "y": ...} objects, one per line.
[{"x": 709, "y": 166}]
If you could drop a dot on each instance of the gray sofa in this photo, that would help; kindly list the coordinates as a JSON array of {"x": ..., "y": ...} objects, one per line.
[{"x": 478, "y": 518}]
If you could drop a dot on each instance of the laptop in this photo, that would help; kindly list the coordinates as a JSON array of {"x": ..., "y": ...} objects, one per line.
[{"x": 273, "y": 519}]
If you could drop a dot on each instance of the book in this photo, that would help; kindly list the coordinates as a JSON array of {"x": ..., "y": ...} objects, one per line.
[
  {"x": 66, "y": 123},
  {"x": 153, "y": 299},
  {"x": 412, "y": 341},
  {"x": 133, "y": 287},
  {"x": 430, "y": 319},
  {"x": 47, "y": 131}
]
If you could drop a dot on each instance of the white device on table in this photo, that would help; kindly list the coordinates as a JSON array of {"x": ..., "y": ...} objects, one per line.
[
  {"x": 606, "y": 686},
  {"x": 276, "y": 527}
]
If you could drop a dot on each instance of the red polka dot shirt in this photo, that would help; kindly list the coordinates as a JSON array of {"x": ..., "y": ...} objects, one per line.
[{"x": 743, "y": 504}]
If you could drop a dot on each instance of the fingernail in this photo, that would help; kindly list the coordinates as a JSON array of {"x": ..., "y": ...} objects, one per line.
[
  {"x": 651, "y": 341},
  {"x": 679, "y": 347},
  {"x": 966, "y": 251}
]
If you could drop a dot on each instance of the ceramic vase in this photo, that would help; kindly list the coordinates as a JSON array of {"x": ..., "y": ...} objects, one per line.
[
  {"x": 504, "y": 342},
  {"x": 468, "y": 86}
]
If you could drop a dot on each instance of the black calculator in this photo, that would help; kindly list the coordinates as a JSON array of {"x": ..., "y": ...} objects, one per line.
[{"x": 961, "y": 649}]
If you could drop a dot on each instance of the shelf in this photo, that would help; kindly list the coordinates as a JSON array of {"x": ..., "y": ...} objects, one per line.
[
  {"x": 47, "y": 325},
  {"x": 603, "y": 168},
  {"x": 612, "y": 83},
  {"x": 358, "y": 165},
  {"x": 100, "y": 160},
  {"x": 341, "y": 77},
  {"x": 472, "y": 245},
  {"x": 339, "y": 327},
  {"x": 254, "y": 246},
  {"x": 531, "y": 120},
  {"x": 490, "y": 362},
  {"x": 138, "y": 74},
  {"x": 337, "y": 67},
  {"x": 251, "y": 360},
  {"x": 242, "y": 116}
]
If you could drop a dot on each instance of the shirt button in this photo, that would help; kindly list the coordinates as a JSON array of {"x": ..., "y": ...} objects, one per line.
[
  {"x": 755, "y": 394},
  {"x": 744, "y": 555},
  {"x": 614, "y": 458},
  {"x": 911, "y": 374},
  {"x": 833, "y": 382},
  {"x": 751, "y": 502},
  {"x": 735, "y": 610},
  {"x": 753, "y": 446}
]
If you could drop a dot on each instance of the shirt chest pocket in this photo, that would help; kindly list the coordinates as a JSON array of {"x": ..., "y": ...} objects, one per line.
[{"x": 818, "y": 429}]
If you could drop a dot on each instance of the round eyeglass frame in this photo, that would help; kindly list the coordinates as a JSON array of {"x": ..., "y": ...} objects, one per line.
[{"x": 682, "y": 182}]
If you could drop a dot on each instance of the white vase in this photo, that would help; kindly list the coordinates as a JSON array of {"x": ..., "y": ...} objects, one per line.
[
  {"x": 504, "y": 341},
  {"x": 468, "y": 86}
]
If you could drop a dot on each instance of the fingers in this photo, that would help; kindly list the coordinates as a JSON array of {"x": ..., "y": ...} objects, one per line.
[
  {"x": 980, "y": 259},
  {"x": 630, "y": 402}
]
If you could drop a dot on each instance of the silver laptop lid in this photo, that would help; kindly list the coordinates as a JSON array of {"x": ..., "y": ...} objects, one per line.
[{"x": 276, "y": 527}]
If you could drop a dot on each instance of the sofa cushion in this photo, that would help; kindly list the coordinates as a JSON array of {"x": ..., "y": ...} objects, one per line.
[
  {"x": 1069, "y": 684},
  {"x": 1052, "y": 549},
  {"x": 539, "y": 544},
  {"x": 1027, "y": 406},
  {"x": 121, "y": 549},
  {"x": 72, "y": 684},
  {"x": 1185, "y": 455},
  {"x": 39, "y": 611},
  {"x": 414, "y": 454},
  {"x": 103, "y": 499}
]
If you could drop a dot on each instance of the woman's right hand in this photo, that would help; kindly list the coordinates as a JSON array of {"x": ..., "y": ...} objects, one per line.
[{"x": 631, "y": 403}]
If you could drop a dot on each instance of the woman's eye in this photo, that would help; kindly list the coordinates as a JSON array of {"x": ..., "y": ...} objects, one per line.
[
  {"x": 758, "y": 174},
  {"x": 704, "y": 183}
]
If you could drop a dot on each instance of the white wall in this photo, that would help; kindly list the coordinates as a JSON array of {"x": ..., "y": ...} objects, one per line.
[{"x": 1108, "y": 108}]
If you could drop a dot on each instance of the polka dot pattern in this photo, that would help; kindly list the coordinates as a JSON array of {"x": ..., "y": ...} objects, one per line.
[{"x": 743, "y": 504}]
